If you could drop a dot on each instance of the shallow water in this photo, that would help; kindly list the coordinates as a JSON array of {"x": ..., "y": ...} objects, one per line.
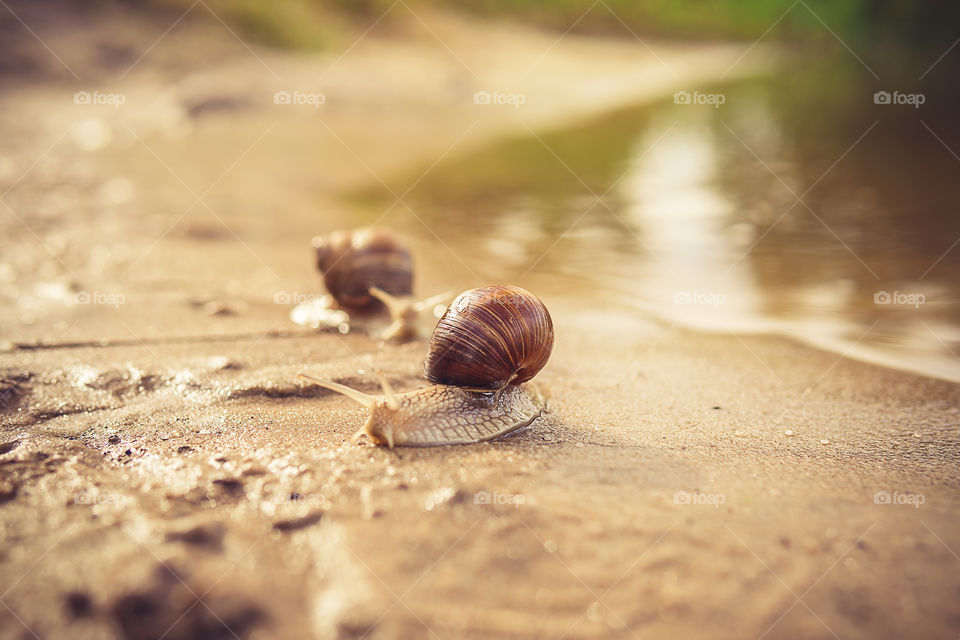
[{"x": 798, "y": 206}]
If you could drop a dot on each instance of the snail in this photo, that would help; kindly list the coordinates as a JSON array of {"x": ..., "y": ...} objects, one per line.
[
  {"x": 482, "y": 355},
  {"x": 352, "y": 262},
  {"x": 369, "y": 268}
]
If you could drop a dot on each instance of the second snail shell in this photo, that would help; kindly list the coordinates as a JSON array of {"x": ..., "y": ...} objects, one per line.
[{"x": 353, "y": 262}]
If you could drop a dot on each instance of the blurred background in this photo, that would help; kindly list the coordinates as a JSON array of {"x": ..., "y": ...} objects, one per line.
[{"x": 773, "y": 166}]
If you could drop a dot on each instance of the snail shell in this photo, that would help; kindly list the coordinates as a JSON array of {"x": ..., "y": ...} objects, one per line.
[
  {"x": 353, "y": 262},
  {"x": 492, "y": 340},
  {"x": 489, "y": 338}
]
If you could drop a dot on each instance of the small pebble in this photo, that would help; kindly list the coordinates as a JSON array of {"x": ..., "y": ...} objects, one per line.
[
  {"x": 218, "y": 308},
  {"x": 788, "y": 433},
  {"x": 917, "y": 434},
  {"x": 824, "y": 441},
  {"x": 79, "y": 604}
]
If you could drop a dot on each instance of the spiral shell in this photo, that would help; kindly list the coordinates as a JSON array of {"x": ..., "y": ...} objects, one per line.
[
  {"x": 353, "y": 261},
  {"x": 489, "y": 338}
]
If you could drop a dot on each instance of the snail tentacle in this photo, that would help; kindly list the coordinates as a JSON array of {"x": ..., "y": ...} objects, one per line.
[
  {"x": 388, "y": 394},
  {"x": 426, "y": 303},
  {"x": 394, "y": 304},
  {"x": 356, "y": 395}
]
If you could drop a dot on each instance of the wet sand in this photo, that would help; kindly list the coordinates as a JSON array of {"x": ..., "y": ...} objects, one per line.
[
  {"x": 660, "y": 495},
  {"x": 177, "y": 481}
]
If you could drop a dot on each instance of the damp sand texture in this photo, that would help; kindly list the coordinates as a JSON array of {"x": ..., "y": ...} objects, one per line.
[{"x": 201, "y": 492}]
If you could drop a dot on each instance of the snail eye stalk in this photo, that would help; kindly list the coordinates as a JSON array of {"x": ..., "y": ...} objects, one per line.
[{"x": 361, "y": 398}]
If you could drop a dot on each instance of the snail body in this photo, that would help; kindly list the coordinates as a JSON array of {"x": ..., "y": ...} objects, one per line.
[
  {"x": 490, "y": 342},
  {"x": 443, "y": 414}
]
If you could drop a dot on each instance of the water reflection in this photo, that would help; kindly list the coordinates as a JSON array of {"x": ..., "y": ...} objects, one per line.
[
  {"x": 698, "y": 217},
  {"x": 674, "y": 201}
]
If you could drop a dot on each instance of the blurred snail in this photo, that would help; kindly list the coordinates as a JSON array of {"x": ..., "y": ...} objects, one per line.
[
  {"x": 486, "y": 348},
  {"x": 366, "y": 268},
  {"x": 354, "y": 261}
]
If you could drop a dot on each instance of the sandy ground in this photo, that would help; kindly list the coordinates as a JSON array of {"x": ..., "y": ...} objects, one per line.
[
  {"x": 661, "y": 495},
  {"x": 176, "y": 481}
]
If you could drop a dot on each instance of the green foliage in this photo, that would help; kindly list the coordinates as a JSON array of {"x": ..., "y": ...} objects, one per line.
[
  {"x": 688, "y": 18},
  {"x": 292, "y": 23},
  {"x": 314, "y": 23}
]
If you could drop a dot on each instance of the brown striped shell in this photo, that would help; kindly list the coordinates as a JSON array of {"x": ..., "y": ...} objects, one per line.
[
  {"x": 489, "y": 338},
  {"x": 353, "y": 261}
]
